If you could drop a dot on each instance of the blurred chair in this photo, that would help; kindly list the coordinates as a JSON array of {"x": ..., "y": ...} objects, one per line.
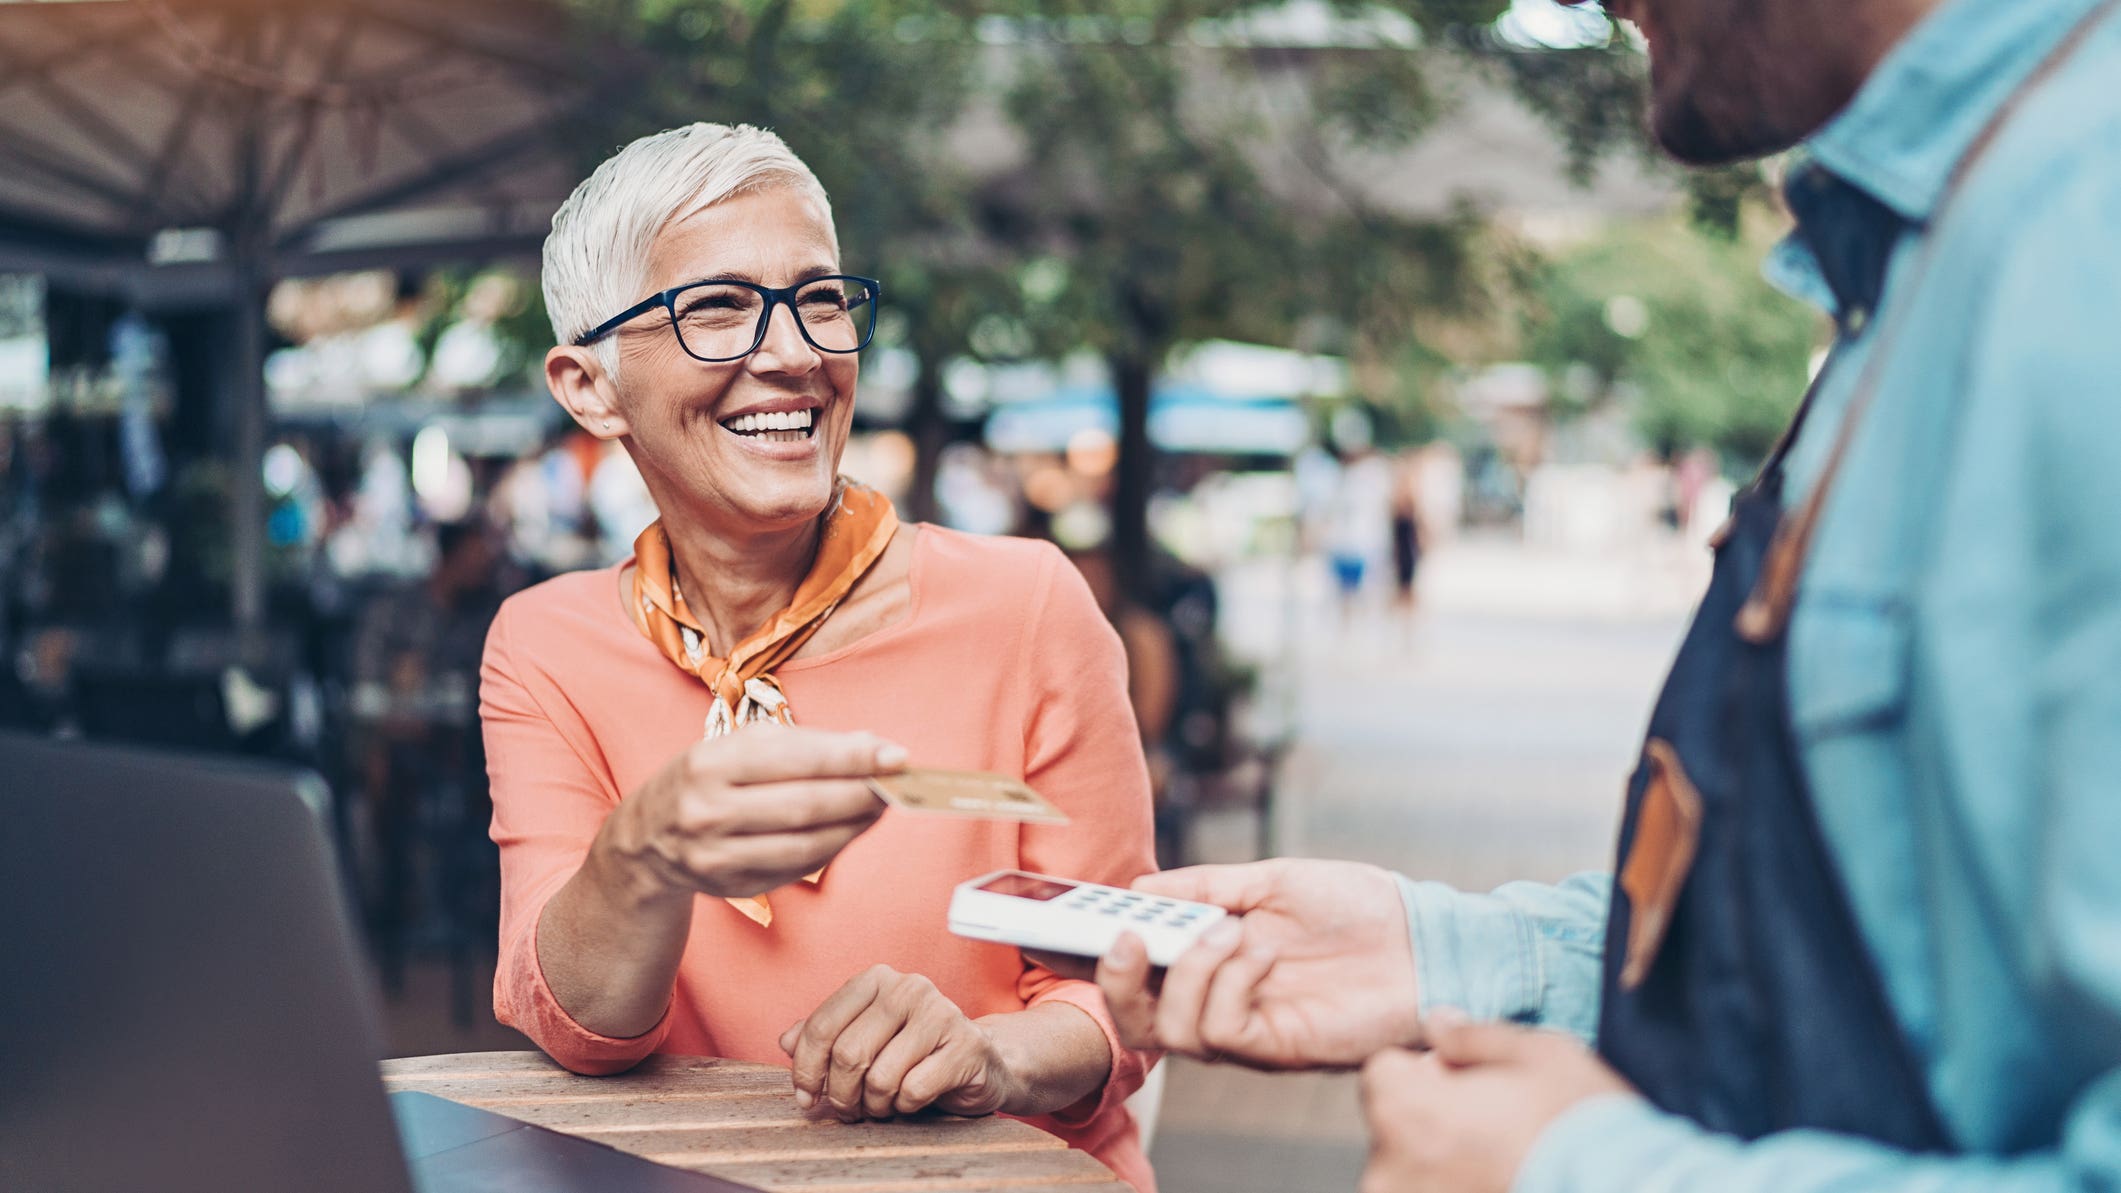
[{"x": 183, "y": 710}]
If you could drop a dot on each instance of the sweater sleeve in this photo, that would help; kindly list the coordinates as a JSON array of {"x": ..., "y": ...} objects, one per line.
[
  {"x": 550, "y": 797},
  {"x": 1083, "y": 751}
]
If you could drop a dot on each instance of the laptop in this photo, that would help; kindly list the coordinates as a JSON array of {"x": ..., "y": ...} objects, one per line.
[{"x": 182, "y": 1009}]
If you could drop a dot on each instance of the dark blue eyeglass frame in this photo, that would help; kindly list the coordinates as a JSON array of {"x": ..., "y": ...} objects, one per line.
[{"x": 785, "y": 295}]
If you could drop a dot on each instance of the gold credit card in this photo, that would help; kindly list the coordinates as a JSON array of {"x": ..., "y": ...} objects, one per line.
[{"x": 966, "y": 793}]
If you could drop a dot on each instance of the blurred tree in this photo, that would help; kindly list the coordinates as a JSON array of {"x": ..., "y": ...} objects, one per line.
[
  {"x": 1195, "y": 172},
  {"x": 1678, "y": 322}
]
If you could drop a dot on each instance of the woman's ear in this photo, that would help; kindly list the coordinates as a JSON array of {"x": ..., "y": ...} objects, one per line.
[{"x": 579, "y": 383}]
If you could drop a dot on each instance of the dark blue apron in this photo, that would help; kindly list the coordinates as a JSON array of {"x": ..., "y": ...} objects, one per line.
[
  {"x": 1760, "y": 1009},
  {"x": 1738, "y": 991}
]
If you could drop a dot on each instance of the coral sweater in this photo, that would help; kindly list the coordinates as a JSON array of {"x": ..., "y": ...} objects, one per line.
[{"x": 1003, "y": 663}]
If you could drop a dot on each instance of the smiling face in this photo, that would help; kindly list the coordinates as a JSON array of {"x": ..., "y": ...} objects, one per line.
[
  {"x": 750, "y": 445},
  {"x": 1732, "y": 79}
]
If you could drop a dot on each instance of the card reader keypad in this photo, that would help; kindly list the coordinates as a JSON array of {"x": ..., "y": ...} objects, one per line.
[
  {"x": 1080, "y": 919},
  {"x": 1132, "y": 907}
]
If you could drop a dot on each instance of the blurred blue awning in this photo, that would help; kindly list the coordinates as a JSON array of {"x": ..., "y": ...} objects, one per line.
[{"x": 1182, "y": 418}]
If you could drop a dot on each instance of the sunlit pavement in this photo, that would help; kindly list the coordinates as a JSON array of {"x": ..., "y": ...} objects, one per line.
[{"x": 1485, "y": 741}]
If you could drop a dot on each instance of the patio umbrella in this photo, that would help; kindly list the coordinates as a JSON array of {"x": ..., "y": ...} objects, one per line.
[{"x": 208, "y": 147}]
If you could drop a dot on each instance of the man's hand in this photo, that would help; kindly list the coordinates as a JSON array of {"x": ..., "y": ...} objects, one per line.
[
  {"x": 889, "y": 1043},
  {"x": 1319, "y": 972},
  {"x": 1463, "y": 1117}
]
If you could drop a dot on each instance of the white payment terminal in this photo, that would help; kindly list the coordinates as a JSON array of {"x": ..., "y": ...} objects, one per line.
[{"x": 1082, "y": 919}]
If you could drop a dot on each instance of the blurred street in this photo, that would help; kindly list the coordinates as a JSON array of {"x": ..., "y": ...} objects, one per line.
[{"x": 1488, "y": 744}]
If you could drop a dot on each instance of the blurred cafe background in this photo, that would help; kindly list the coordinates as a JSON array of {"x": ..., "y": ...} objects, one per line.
[{"x": 1381, "y": 381}]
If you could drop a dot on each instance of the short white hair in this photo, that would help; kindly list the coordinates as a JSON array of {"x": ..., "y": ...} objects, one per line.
[{"x": 596, "y": 259}]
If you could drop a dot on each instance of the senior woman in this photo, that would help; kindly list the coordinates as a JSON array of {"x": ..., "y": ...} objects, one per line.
[{"x": 674, "y": 880}]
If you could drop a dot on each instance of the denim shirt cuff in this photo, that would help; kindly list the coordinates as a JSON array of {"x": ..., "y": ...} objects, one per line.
[
  {"x": 1474, "y": 953},
  {"x": 1607, "y": 1144}
]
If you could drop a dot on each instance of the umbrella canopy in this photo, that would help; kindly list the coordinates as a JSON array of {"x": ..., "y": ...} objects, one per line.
[
  {"x": 279, "y": 137},
  {"x": 206, "y": 147}
]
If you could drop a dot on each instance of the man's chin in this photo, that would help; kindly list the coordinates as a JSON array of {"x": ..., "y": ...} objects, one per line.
[{"x": 1690, "y": 135}]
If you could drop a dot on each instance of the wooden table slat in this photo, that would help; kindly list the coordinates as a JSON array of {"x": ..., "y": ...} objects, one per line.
[
  {"x": 739, "y": 1121},
  {"x": 923, "y": 1137},
  {"x": 940, "y": 1170}
]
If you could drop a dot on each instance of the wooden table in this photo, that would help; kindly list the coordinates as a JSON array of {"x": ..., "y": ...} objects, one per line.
[{"x": 739, "y": 1121}]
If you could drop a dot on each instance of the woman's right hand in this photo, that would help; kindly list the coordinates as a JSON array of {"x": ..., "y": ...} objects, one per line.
[{"x": 744, "y": 814}]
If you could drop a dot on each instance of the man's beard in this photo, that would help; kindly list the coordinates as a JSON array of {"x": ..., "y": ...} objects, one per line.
[
  {"x": 1689, "y": 134},
  {"x": 1722, "y": 114}
]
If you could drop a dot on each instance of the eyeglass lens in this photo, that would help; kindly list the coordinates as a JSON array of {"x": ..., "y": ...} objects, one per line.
[{"x": 721, "y": 321}]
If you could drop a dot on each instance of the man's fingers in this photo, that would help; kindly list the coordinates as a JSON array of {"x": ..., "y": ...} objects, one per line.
[
  {"x": 1123, "y": 977},
  {"x": 1236, "y": 888},
  {"x": 758, "y": 756},
  {"x": 1389, "y": 1078},
  {"x": 1226, "y": 1015},
  {"x": 1460, "y": 1043},
  {"x": 1185, "y": 990}
]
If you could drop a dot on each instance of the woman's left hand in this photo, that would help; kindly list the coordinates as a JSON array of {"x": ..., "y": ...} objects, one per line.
[{"x": 889, "y": 1043}]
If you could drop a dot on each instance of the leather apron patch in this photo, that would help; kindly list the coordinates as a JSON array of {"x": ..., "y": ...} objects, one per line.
[{"x": 1666, "y": 836}]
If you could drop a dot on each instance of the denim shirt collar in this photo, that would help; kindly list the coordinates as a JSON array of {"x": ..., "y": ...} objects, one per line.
[{"x": 1885, "y": 162}]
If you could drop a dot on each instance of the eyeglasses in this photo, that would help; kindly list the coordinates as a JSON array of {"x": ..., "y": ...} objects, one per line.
[{"x": 719, "y": 321}]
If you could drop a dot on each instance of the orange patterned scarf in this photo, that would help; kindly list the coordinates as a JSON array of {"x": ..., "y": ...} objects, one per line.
[{"x": 856, "y": 530}]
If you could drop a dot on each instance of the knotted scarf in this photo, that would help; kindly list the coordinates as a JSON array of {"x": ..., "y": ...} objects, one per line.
[{"x": 856, "y": 529}]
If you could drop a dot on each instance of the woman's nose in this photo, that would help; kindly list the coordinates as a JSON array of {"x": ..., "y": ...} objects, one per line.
[{"x": 784, "y": 349}]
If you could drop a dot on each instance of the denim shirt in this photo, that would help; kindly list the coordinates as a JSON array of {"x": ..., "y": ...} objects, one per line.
[{"x": 1955, "y": 652}]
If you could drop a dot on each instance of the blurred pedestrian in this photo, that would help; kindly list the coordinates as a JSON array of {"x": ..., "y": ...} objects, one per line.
[
  {"x": 1690, "y": 480},
  {"x": 1358, "y": 526},
  {"x": 1406, "y": 534}
]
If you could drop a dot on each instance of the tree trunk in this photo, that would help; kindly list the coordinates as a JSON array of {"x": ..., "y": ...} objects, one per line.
[
  {"x": 930, "y": 435},
  {"x": 1131, "y": 377}
]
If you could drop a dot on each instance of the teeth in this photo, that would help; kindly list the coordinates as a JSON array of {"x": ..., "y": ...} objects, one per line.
[{"x": 789, "y": 420}]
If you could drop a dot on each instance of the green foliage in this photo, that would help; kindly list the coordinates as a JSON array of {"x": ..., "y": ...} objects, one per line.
[
  {"x": 1176, "y": 181},
  {"x": 1154, "y": 176},
  {"x": 1717, "y": 198},
  {"x": 1194, "y": 185},
  {"x": 1679, "y": 323},
  {"x": 1593, "y": 99},
  {"x": 865, "y": 91}
]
